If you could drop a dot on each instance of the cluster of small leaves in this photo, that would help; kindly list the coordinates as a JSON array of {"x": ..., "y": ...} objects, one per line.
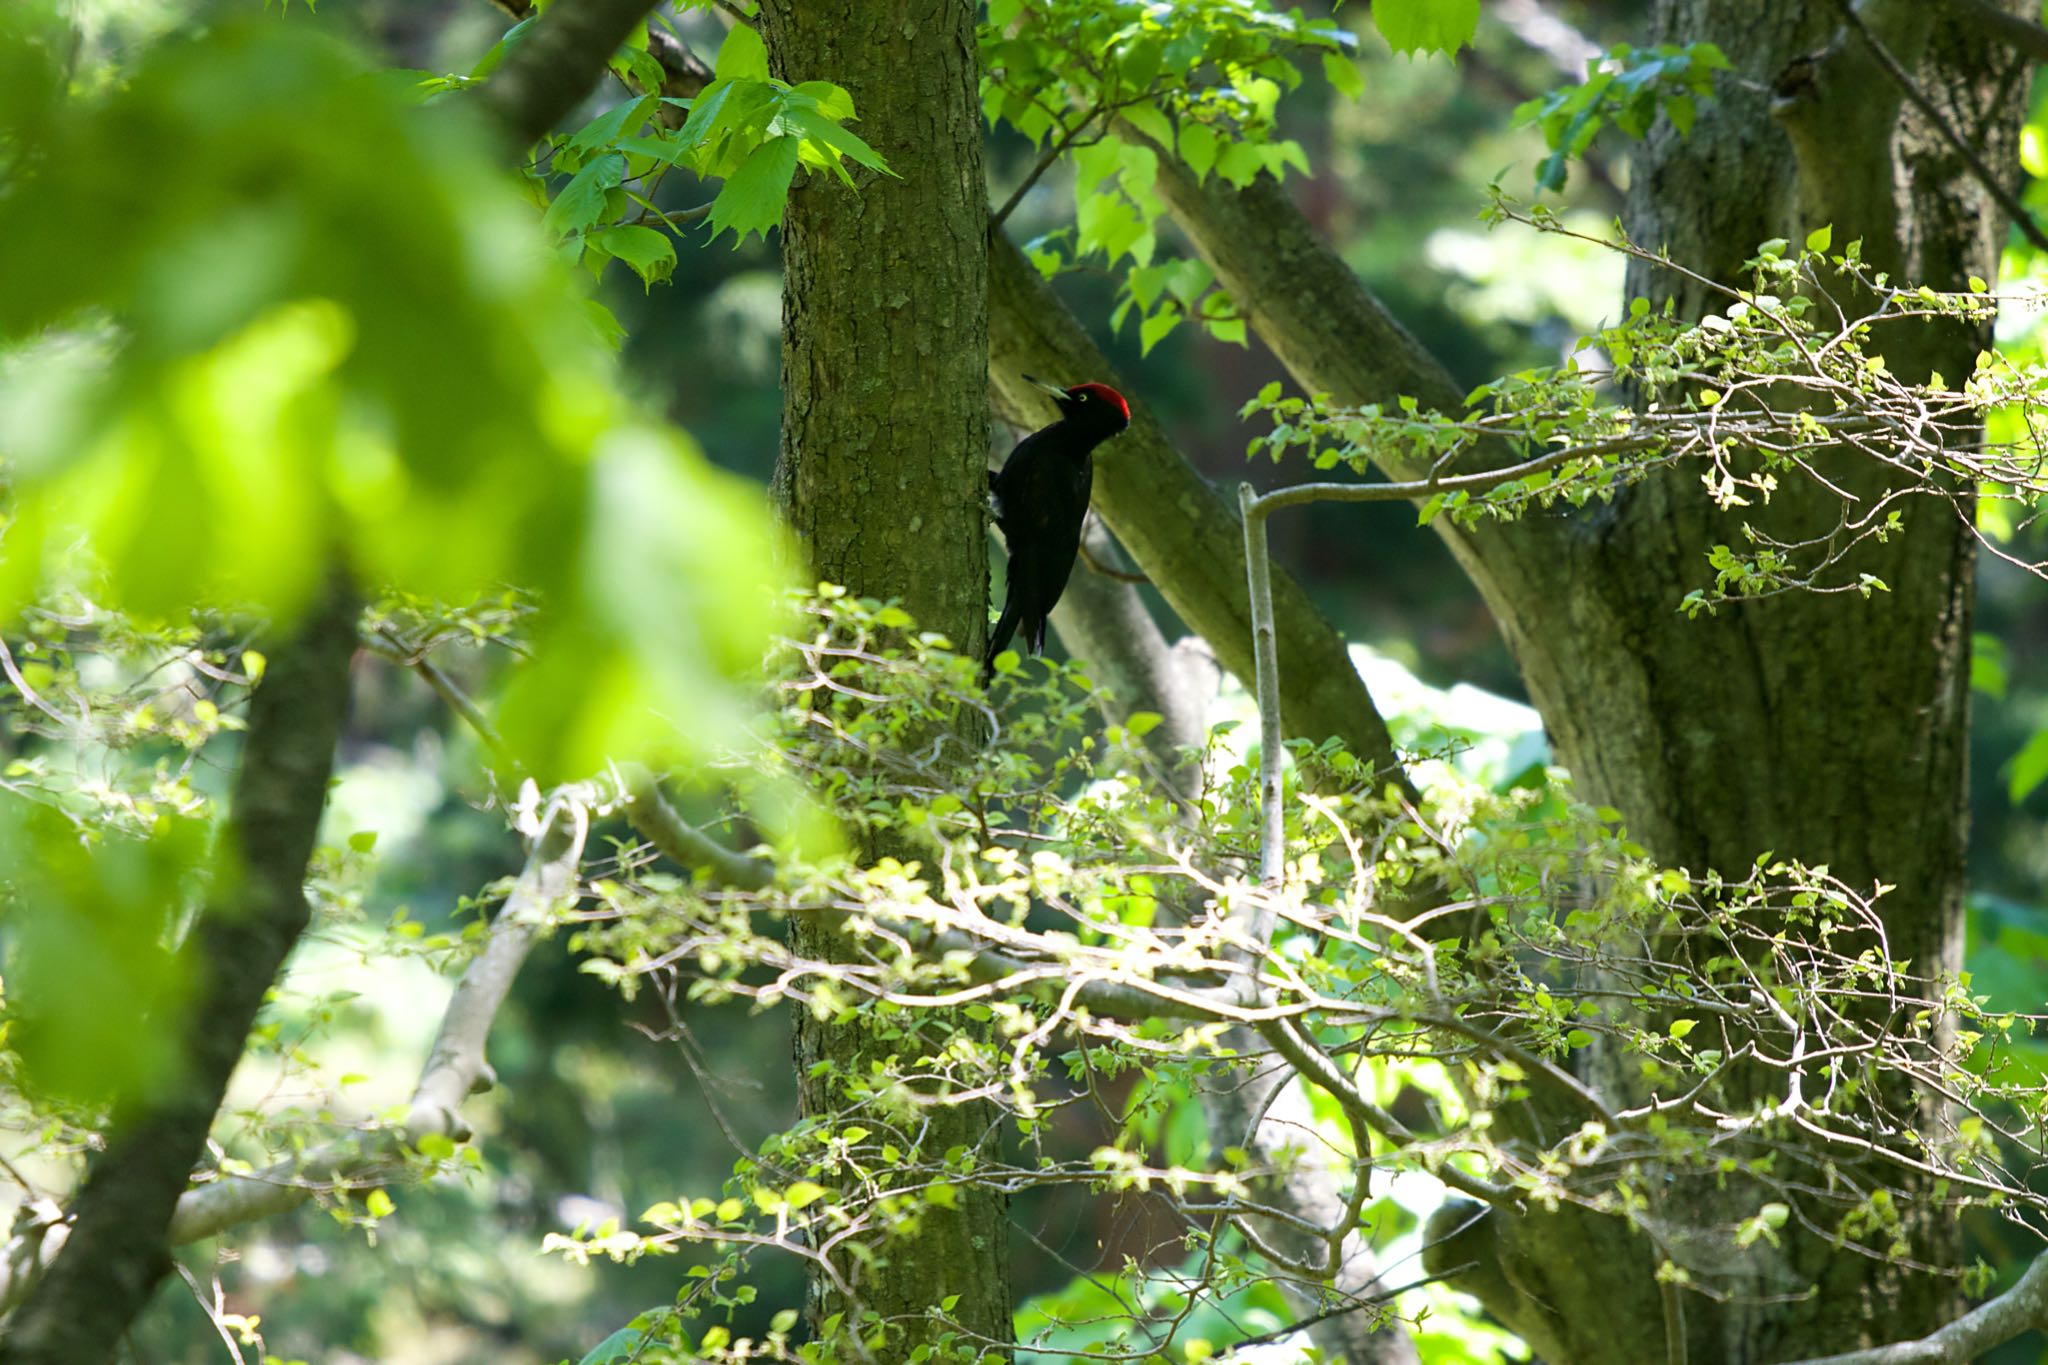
[
  {"x": 745, "y": 128},
  {"x": 105, "y": 720},
  {"x": 1789, "y": 369},
  {"x": 1119, "y": 84},
  {"x": 1626, "y": 88},
  {"x": 1097, "y": 927}
]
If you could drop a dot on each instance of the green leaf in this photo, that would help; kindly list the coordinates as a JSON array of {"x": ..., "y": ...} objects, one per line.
[
  {"x": 514, "y": 36},
  {"x": 651, "y": 254},
  {"x": 1241, "y": 163},
  {"x": 622, "y": 1345},
  {"x": 742, "y": 56},
  {"x": 1426, "y": 25},
  {"x": 1149, "y": 120},
  {"x": 816, "y": 128},
  {"x": 1820, "y": 237},
  {"x": 1342, "y": 72},
  {"x": 2029, "y": 768},
  {"x": 379, "y": 1205},
  {"x": 582, "y": 201},
  {"x": 604, "y": 130},
  {"x": 753, "y": 196},
  {"x": 828, "y": 99},
  {"x": 1229, "y": 330},
  {"x": 1154, "y": 329},
  {"x": 1198, "y": 147}
]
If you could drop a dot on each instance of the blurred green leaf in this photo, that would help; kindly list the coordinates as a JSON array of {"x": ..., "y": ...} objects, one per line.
[
  {"x": 2029, "y": 768},
  {"x": 651, "y": 254},
  {"x": 264, "y": 314},
  {"x": 742, "y": 56},
  {"x": 1426, "y": 25},
  {"x": 93, "y": 988}
]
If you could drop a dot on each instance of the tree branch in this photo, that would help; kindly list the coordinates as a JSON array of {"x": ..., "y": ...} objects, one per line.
[
  {"x": 455, "y": 1068},
  {"x": 1544, "y": 30},
  {"x": 2025, "y": 36},
  {"x": 118, "y": 1246},
  {"x": 543, "y": 79},
  {"x": 2022, "y": 1308},
  {"x": 685, "y": 845}
]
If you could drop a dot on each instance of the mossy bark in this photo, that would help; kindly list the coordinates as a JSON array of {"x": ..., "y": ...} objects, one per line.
[{"x": 1829, "y": 729}]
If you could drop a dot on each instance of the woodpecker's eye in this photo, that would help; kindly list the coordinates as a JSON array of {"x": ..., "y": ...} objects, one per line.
[{"x": 1082, "y": 397}]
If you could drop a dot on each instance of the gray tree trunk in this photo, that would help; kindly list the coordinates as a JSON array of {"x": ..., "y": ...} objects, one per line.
[
  {"x": 882, "y": 478},
  {"x": 1829, "y": 729}
]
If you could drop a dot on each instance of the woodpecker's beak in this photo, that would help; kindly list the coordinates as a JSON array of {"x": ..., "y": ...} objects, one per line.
[{"x": 1055, "y": 390}]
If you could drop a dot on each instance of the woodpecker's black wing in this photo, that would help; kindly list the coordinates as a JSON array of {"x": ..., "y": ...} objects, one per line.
[{"x": 1041, "y": 502}]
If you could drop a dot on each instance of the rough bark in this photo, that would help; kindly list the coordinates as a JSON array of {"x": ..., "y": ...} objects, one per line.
[
  {"x": 1827, "y": 729},
  {"x": 882, "y": 478},
  {"x": 885, "y": 315},
  {"x": 118, "y": 1246}
]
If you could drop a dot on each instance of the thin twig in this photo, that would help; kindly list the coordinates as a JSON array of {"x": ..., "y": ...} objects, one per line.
[{"x": 1045, "y": 160}]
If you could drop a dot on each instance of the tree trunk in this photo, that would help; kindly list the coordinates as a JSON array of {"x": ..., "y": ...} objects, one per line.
[
  {"x": 885, "y": 315},
  {"x": 118, "y": 1247},
  {"x": 1828, "y": 729},
  {"x": 882, "y": 477},
  {"x": 1824, "y": 728}
]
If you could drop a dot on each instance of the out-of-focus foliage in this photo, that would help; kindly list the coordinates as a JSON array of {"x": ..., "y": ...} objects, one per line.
[
  {"x": 1627, "y": 88},
  {"x": 267, "y": 318}
]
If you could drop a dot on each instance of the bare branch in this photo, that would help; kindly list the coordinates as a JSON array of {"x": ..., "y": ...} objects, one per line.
[
  {"x": 543, "y": 79},
  {"x": 455, "y": 1067}
]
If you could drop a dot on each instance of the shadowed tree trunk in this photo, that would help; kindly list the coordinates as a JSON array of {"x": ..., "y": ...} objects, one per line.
[
  {"x": 118, "y": 1247},
  {"x": 882, "y": 476}
]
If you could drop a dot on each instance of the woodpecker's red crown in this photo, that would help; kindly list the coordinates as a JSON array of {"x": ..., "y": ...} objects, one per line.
[{"x": 1102, "y": 393}]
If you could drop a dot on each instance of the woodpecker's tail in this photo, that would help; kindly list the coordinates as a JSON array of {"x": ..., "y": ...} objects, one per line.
[{"x": 999, "y": 640}]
